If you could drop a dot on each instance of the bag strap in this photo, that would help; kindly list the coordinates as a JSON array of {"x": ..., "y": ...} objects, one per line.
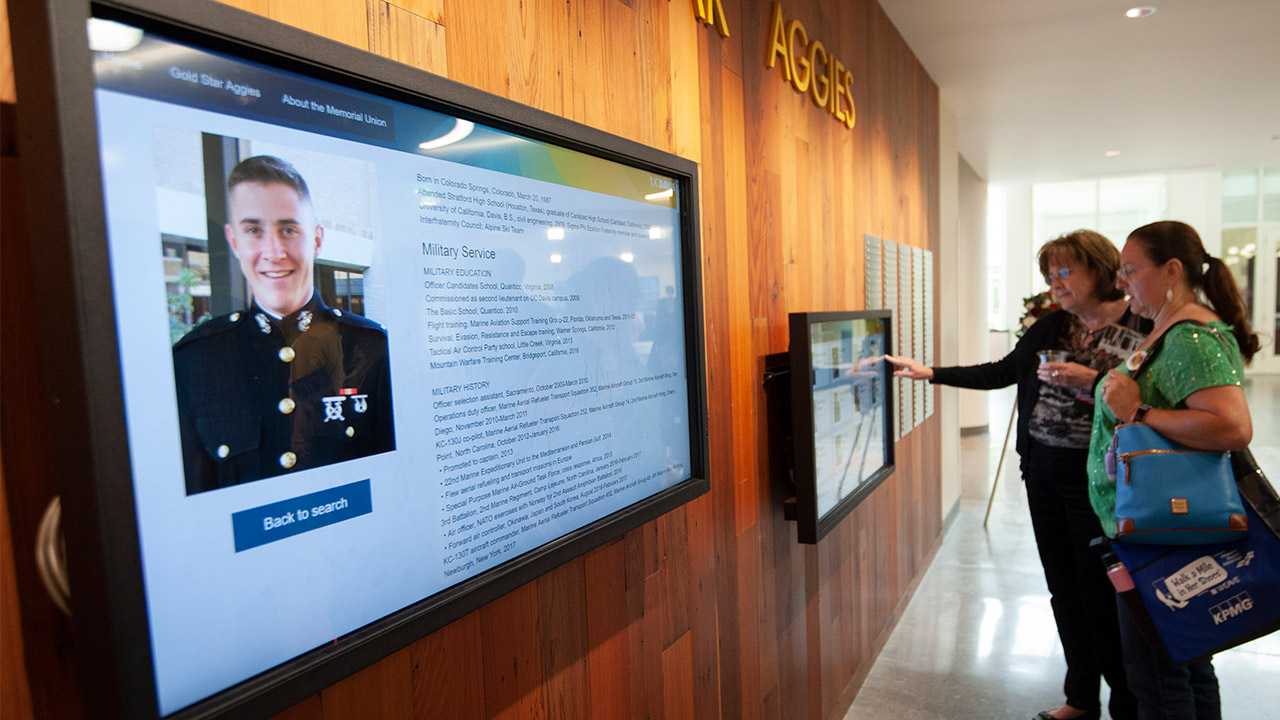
[{"x": 1159, "y": 343}]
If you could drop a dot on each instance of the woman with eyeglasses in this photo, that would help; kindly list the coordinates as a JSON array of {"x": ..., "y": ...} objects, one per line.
[
  {"x": 1096, "y": 330},
  {"x": 1189, "y": 392}
]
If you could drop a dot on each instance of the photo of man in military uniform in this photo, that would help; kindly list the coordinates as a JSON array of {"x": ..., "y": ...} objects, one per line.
[{"x": 288, "y": 383}]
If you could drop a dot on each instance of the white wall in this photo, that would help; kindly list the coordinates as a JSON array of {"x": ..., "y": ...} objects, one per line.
[
  {"x": 971, "y": 269},
  {"x": 947, "y": 302},
  {"x": 1195, "y": 198}
]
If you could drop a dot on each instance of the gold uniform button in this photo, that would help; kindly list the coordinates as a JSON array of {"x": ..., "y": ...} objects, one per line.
[
  {"x": 287, "y": 354},
  {"x": 223, "y": 451},
  {"x": 286, "y": 406},
  {"x": 288, "y": 460},
  {"x": 351, "y": 432},
  {"x": 337, "y": 312},
  {"x": 235, "y": 317}
]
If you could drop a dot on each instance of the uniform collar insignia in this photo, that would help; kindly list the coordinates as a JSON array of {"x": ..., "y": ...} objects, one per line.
[
  {"x": 263, "y": 323},
  {"x": 304, "y": 320}
]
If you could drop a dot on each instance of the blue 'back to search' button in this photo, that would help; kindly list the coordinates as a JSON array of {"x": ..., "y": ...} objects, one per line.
[{"x": 286, "y": 518}]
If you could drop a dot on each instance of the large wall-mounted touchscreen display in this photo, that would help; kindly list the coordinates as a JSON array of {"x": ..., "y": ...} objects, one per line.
[{"x": 370, "y": 349}]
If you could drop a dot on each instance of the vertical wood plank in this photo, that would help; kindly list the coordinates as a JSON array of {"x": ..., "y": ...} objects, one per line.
[
  {"x": 448, "y": 675},
  {"x": 407, "y": 37},
  {"x": 562, "y": 625},
  {"x": 608, "y": 659},
  {"x": 8, "y": 91},
  {"x": 686, "y": 84},
  {"x": 382, "y": 690},
  {"x": 509, "y": 640},
  {"x": 533, "y": 30},
  {"x": 343, "y": 20},
  {"x": 432, "y": 10},
  {"x": 677, "y": 680},
  {"x": 474, "y": 46}
]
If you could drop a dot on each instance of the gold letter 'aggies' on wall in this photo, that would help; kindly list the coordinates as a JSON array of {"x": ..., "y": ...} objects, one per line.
[
  {"x": 809, "y": 67},
  {"x": 711, "y": 13}
]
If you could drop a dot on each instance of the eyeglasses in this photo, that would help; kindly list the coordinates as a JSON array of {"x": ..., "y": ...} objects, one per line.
[
  {"x": 1059, "y": 274},
  {"x": 1126, "y": 271}
]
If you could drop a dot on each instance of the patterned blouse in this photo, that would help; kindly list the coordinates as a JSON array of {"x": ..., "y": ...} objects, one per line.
[{"x": 1062, "y": 416}]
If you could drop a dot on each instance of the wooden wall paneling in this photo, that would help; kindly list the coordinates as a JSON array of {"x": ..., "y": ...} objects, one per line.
[
  {"x": 512, "y": 657},
  {"x": 407, "y": 37},
  {"x": 562, "y": 632},
  {"x": 623, "y": 89},
  {"x": 651, "y": 666},
  {"x": 717, "y": 330},
  {"x": 703, "y": 617},
  {"x": 310, "y": 708},
  {"x": 767, "y": 500},
  {"x": 677, "y": 680},
  {"x": 815, "y": 633},
  {"x": 474, "y": 45},
  {"x": 636, "y": 575},
  {"x": 790, "y": 608},
  {"x": 585, "y": 84},
  {"x": 15, "y": 688},
  {"x": 8, "y": 92},
  {"x": 804, "y": 292},
  {"x": 343, "y": 20},
  {"x": 535, "y": 32},
  {"x": 673, "y": 530},
  {"x": 383, "y": 690},
  {"x": 608, "y": 660},
  {"x": 686, "y": 82},
  {"x": 741, "y": 367},
  {"x": 432, "y": 10},
  {"x": 257, "y": 7},
  {"x": 655, "y": 75},
  {"x": 748, "y": 601},
  {"x": 448, "y": 674}
]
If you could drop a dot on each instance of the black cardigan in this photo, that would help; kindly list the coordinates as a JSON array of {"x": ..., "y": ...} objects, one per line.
[{"x": 1019, "y": 366}]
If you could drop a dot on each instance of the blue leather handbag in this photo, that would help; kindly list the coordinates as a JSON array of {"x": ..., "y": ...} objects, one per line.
[{"x": 1170, "y": 494}]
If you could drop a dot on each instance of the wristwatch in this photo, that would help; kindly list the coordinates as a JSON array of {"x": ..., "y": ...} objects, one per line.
[{"x": 1141, "y": 414}]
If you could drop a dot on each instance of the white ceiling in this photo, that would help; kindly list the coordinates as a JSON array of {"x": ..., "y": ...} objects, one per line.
[{"x": 1042, "y": 88}]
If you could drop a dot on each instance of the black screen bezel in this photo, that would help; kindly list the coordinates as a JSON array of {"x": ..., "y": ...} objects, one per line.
[
  {"x": 810, "y": 527},
  {"x": 78, "y": 339}
]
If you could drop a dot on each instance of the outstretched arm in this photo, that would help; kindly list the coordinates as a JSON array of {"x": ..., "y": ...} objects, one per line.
[{"x": 909, "y": 368}]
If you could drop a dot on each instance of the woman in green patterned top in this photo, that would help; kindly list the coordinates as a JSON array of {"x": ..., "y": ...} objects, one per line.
[{"x": 1189, "y": 392}]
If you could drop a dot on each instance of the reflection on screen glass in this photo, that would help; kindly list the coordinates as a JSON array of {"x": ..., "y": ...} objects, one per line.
[
  {"x": 369, "y": 350},
  {"x": 848, "y": 406}
]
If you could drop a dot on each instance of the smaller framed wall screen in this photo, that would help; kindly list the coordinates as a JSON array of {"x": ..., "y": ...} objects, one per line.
[{"x": 842, "y": 412}]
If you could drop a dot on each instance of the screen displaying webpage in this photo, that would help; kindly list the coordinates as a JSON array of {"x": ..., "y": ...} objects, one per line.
[
  {"x": 848, "y": 406},
  {"x": 368, "y": 350}
]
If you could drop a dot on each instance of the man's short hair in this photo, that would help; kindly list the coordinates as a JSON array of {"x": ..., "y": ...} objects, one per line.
[{"x": 267, "y": 169}]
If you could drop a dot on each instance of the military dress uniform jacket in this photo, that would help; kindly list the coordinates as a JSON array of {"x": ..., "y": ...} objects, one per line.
[{"x": 259, "y": 397}]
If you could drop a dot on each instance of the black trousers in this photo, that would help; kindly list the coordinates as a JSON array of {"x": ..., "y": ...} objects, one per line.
[{"x": 1083, "y": 601}]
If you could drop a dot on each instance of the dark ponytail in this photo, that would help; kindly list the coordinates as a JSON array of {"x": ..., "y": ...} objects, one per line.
[
  {"x": 1168, "y": 239},
  {"x": 1220, "y": 289}
]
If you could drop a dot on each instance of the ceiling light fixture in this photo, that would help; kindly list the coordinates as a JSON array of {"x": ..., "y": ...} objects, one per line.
[
  {"x": 1140, "y": 11},
  {"x": 1111, "y": 153}
]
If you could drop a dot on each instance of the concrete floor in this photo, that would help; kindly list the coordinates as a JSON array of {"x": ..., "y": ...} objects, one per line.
[{"x": 978, "y": 640}]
